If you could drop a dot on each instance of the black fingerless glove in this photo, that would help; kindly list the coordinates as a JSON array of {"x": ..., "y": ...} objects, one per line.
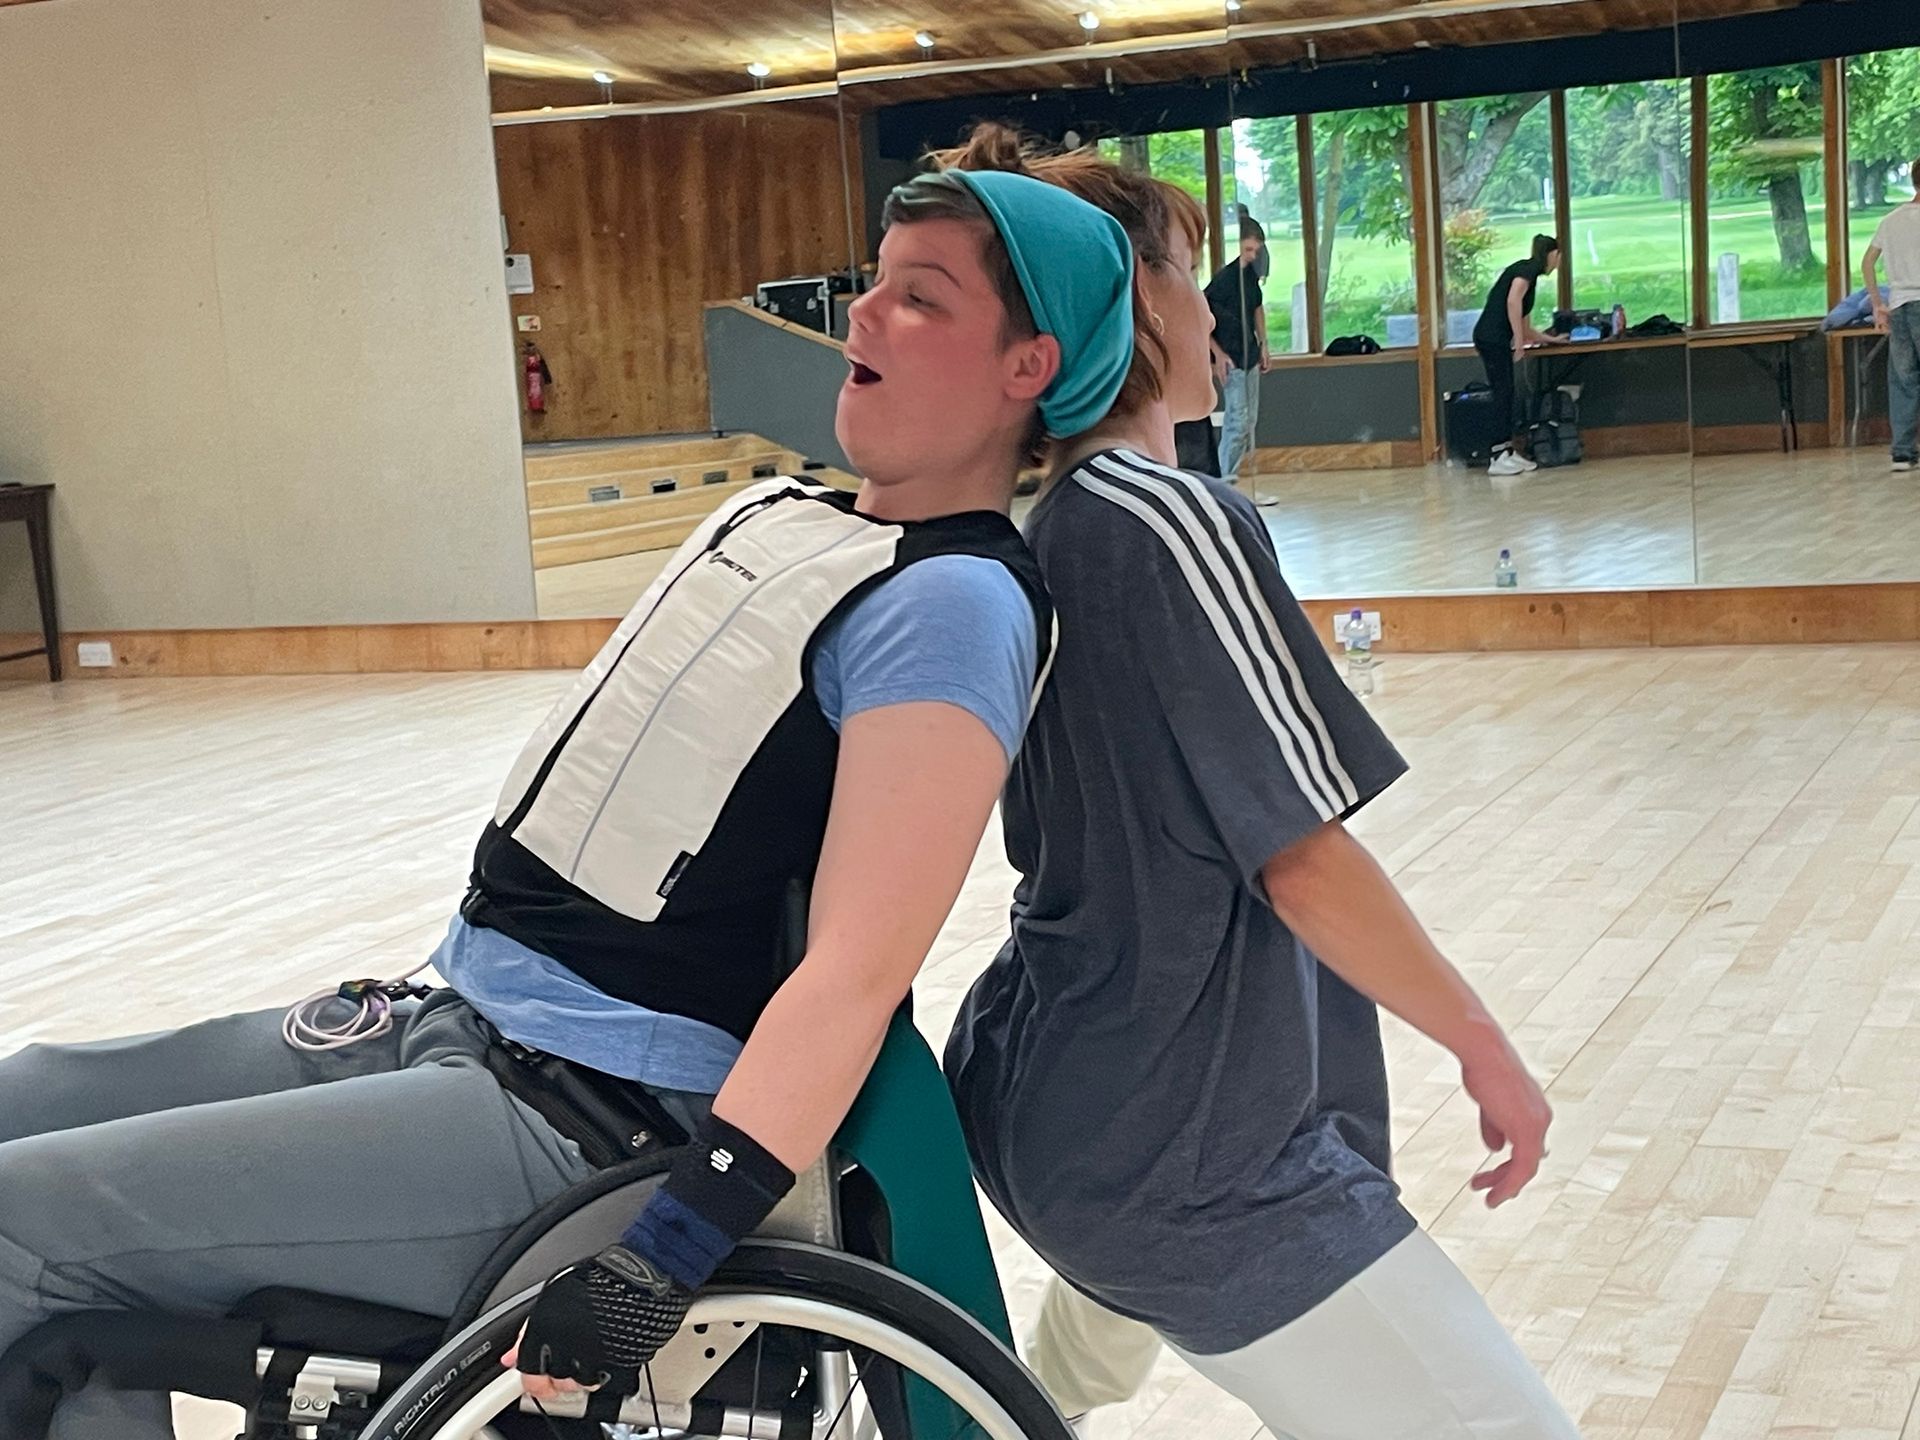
[{"x": 600, "y": 1321}]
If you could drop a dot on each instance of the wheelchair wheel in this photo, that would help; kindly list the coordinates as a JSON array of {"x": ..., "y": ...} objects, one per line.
[{"x": 813, "y": 1344}]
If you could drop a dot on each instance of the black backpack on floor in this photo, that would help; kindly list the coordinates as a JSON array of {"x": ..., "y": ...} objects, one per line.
[{"x": 1554, "y": 436}]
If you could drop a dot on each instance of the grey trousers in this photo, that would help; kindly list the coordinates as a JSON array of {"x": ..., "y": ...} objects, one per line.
[{"x": 181, "y": 1171}]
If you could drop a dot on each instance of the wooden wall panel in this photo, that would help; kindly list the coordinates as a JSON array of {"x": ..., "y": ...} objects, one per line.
[{"x": 634, "y": 224}]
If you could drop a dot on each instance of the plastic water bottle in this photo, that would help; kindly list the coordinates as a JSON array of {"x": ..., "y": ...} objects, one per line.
[
  {"x": 1357, "y": 639},
  {"x": 1506, "y": 575}
]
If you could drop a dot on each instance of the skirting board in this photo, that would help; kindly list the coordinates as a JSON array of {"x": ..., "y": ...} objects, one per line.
[
  {"x": 1298, "y": 459},
  {"x": 1630, "y": 619},
  {"x": 327, "y": 649},
  {"x": 1755, "y": 439},
  {"x": 1436, "y": 623},
  {"x": 1602, "y": 443}
]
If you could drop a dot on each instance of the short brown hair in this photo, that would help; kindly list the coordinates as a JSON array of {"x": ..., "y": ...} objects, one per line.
[
  {"x": 941, "y": 197},
  {"x": 1147, "y": 209}
]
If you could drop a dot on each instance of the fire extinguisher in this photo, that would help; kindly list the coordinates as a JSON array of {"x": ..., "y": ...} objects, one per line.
[{"x": 539, "y": 377}]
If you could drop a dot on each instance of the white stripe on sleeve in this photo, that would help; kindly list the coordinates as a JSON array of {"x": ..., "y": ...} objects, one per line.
[{"x": 1238, "y": 653}]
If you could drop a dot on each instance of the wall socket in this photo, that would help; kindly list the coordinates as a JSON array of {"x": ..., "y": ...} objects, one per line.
[
  {"x": 1371, "y": 617},
  {"x": 528, "y": 322},
  {"x": 97, "y": 654}
]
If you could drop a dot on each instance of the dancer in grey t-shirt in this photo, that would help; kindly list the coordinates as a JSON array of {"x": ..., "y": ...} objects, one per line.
[{"x": 1165, "y": 1089}]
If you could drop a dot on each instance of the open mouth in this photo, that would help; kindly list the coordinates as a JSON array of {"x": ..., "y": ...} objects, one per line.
[{"x": 863, "y": 374}]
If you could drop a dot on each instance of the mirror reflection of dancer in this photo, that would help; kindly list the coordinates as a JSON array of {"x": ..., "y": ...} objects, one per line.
[
  {"x": 1171, "y": 1075},
  {"x": 1239, "y": 344},
  {"x": 1898, "y": 318},
  {"x": 1502, "y": 335}
]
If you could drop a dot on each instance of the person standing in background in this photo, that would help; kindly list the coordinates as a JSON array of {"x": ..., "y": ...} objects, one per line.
[
  {"x": 1898, "y": 318},
  {"x": 1502, "y": 335},
  {"x": 1239, "y": 344}
]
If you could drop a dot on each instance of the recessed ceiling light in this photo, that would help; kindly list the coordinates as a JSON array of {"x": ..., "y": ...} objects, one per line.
[
  {"x": 1089, "y": 20},
  {"x": 759, "y": 69},
  {"x": 603, "y": 77},
  {"x": 1233, "y": 7},
  {"x": 923, "y": 38}
]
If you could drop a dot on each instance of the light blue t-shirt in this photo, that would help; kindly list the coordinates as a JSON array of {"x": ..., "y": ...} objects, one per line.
[{"x": 955, "y": 628}]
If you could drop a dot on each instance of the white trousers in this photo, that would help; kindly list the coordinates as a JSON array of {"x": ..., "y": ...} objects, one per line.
[{"x": 1406, "y": 1350}]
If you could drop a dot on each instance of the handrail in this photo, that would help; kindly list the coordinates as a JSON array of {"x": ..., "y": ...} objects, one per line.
[{"x": 774, "y": 320}]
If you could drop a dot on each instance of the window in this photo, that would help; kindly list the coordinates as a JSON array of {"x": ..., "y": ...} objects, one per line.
[
  {"x": 1766, "y": 211},
  {"x": 1362, "y": 177},
  {"x": 1495, "y": 161},
  {"x": 1264, "y": 157},
  {"x": 1177, "y": 156},
  {"x": 1627, "y": 180},
  {"x": 1883, "y": 137}
]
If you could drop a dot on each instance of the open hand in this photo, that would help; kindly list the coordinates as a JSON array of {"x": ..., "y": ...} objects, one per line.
[{"x": 1513, "y": 1112}]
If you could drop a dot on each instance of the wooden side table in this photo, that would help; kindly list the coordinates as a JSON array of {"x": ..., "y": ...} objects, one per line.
[{"x": 29, "y": 504}]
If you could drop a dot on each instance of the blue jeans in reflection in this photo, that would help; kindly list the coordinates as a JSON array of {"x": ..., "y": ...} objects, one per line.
[{"x": 1903, "y": 379}]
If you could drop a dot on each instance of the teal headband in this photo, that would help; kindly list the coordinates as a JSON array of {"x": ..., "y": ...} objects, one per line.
[{"x": 1075, "y": 267}]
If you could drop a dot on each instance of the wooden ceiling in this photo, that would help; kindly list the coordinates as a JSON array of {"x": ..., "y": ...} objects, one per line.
[{"x": 544, "y": 52}]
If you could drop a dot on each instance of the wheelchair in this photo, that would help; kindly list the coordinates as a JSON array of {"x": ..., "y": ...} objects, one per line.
[{"x": 868, "y": 1308}]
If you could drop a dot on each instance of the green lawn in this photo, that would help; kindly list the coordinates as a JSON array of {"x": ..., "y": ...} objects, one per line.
[{"x": 1630, "y": 249}]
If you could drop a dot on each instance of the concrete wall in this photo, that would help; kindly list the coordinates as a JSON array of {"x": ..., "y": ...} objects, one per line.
[{"x": 256, "y": 325}]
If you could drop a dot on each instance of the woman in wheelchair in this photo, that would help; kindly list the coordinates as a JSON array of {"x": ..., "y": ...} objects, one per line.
[{"x": 821, "y": 689}]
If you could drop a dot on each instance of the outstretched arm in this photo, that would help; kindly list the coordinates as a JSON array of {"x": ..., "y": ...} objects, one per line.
[{"x": 1333, "y": 895}]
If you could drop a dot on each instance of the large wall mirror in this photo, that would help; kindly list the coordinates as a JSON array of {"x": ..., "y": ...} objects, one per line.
[
  {"x": 1405, "y": 171},
  {"x": 697, "y": 196},
  {"x": 680, "y": 227},
  {"x": 1801, "y": 150}
]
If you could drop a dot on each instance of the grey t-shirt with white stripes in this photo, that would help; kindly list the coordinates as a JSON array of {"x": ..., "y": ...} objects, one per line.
[{"x": 1165, "y": 1093}]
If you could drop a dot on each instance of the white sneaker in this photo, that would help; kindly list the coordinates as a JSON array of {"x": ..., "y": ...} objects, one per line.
[
  {"x": 1508, "y": 463},
  {"x": 1526, "y": 464},
  {"x": 1900, "y": 467}
]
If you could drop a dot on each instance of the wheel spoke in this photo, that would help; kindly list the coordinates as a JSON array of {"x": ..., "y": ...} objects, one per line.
[
  {"x": 753, "y": 1395},
  {"x": 653, "y": 1398}
]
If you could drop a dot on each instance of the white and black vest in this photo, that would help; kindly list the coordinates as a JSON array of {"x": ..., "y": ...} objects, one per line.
[{"x": 649, "y": 833}]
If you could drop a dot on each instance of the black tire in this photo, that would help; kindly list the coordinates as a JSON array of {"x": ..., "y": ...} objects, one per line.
[{"x": 470, "y": 1360}]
